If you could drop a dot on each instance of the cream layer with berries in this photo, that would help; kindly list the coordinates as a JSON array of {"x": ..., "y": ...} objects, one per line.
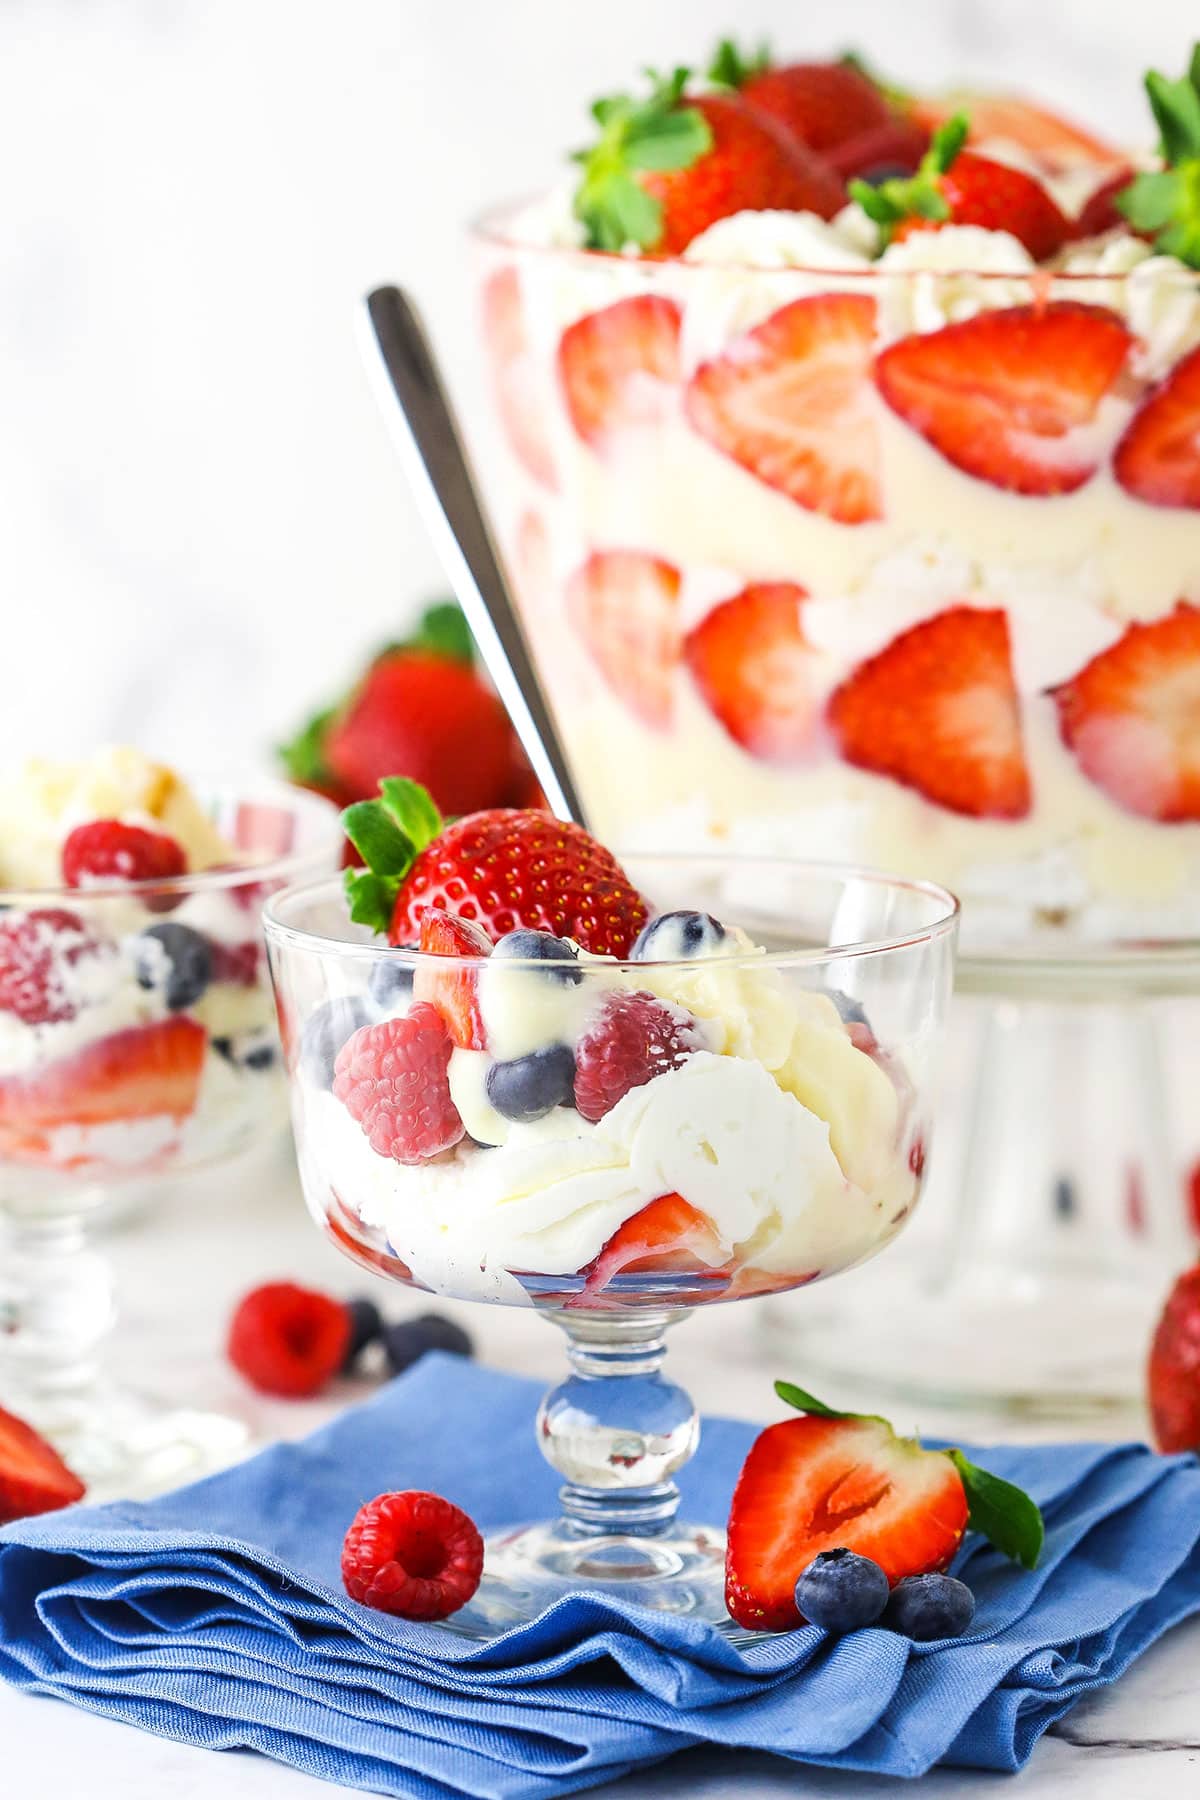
[
  {"x": 133, "y": 1032},
  {"x": 773, "y": 1151},
  {"x": 952, "y": 678}
]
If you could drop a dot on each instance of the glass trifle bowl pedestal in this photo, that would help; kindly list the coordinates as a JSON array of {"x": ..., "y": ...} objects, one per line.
[
  {"x": 148, "y": 1055},
  {"x": 777, "y": 1140}
]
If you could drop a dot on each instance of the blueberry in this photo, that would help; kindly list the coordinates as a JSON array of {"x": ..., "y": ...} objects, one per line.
[
  {"x": 541, "y": 946},
  {"x": 531, "y": 1086},
  {"x": 406, "y": 1343},
  {"x": 875, "y": 174},
  {"x": 850, "y": 1009},
  {"x": 259, "y": 1056},
  {"x": 391, "y": 983},
  {"x": 175, "y": 958},
  {"x": 325, "y": 1031},
  {"x": 925, "y": 1607},
  {"x": 224, "y": 1047},
  {"x": 366, "y": 1325},
  {"x": 842, "y": 1591},
  {"x": 676, "y": 935}
]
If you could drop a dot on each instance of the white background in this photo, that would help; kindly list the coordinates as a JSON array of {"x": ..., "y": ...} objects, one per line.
[{"x": 202, "y": 526}]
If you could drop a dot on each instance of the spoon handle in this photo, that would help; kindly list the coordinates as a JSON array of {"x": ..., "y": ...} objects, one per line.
[{"x": 431, "y": 447}]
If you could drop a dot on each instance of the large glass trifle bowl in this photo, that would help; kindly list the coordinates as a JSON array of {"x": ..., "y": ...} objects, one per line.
[
  {"x": 741, "y": 1108},
  {"x": 138, "y": 1046}
]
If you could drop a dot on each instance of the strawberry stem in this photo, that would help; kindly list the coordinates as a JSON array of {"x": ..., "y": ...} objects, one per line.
[
  {"x": 389, "y": 834},
  {"x": 730, "y": 68},
  {"x": 636, "y": 135},
  {"x": 917, "y": 196},
  {"x": 1165, "y": 204}
]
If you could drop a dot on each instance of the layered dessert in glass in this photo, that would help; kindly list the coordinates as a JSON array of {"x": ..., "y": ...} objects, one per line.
[{"x": 865, "y": 521}]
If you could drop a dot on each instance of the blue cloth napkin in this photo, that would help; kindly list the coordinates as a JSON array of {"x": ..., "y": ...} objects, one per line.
[{"x": 216, "y": 1616}]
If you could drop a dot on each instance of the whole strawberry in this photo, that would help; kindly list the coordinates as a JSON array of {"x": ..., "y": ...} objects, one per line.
[
  {"x": 669, "y": 166},
  {"x": 821, "y": 105},
  {"x": 953, "y": 186},
  {"x": 501, "y": 869},
  {"x": 1175, "y": 1368},
  {"x": 421, "y": 710}
]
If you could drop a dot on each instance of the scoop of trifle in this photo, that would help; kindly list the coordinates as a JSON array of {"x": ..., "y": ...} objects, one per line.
[
  {"x": 530, "y": 1086},
  {"x": 136, "y": 1021},
  {"x": 847, "y": 456}
]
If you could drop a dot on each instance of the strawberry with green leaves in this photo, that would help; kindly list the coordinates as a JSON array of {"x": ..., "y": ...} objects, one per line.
[
  {"x": 498, "y": 869},
  {"x": 667, "y": 167},
  {"x": 955, "y": 186},
  {"x": 821, "y": 105},
  {"x": 1165, "y": 205},
  {"x": 423, "y": 711},
  {"x": 835, "y": 1480}
]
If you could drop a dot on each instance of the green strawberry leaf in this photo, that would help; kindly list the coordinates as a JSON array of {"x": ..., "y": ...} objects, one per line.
[
  {"x": 914, "y": 196},
  {"x": 303, "y": 758},
  {"x": 371, "y": 898},
  {"x": 385, "y": 849},
  {"x": 1001, "y": 1512},
  {"x": 729, "y": 68},
  {"x": 808, "y": 1403},
  {"x": 412, "y": 811},
  {"x": 443, "y": 631},
  {"x": 1165, "y": 205},
  {"x": 652, "y": 134}
]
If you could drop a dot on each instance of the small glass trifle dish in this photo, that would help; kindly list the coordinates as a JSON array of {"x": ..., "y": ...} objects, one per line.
[
  {"x": 138, "y": 1044},
  {"x": 616, "y": 1136}
]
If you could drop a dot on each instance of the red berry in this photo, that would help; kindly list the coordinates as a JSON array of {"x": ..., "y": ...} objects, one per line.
[
  {"x": 619, "y": 367},
  {"x": 513, "y": 365},
  {"x": 632, "y": 1038},
  {"x": 506, "y": 868},
  {"x": 235, "y": 963},
  {"x": 288, "y": 1340},
  {"x": 624, "y": 604},
  {"x": 454, "y": 992},
  {"x": 33, "y": 1476},
  {"x": 412, "y": 1554},
  {"x": 107, "y": 850},
  {"x": 34, "y": 947},
  {"x": 667, "y": 1235},
  {"x": 1175, "y": 1368},
  {"x": 392, "y": 1078},
  {"x": 756, "y": 671},
  {"x": 1158, "y": 458}
]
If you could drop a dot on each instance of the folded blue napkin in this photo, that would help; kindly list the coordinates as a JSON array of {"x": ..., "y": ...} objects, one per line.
[{"x": 216, "y": 1616}]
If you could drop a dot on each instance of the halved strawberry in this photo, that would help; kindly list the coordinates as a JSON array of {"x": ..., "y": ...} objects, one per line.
[
  {"x": 937, "y": 710},
  {"x": 625, "y": 606},
  {"x": 453, "y": 991},
  {"x": 1011, "y": 397},
  {"x": 514, "y": 376},
  {"x": 1158, "y": 459},
  {"x": 149, "y": 1071},
  {"x": 1100, "y": 211},
  {"x": 754, "y": 667},
  {"x": 1132, "y": 717},
  {"x": 619, "y": 367},
  {"x": 813, "y": 1484},
  {"x": 33, "y": 1476},
  {"x": 790, "y": 401},
  {"x": 668, "y": 1236},
  {"x": 1046, "y": 135}
]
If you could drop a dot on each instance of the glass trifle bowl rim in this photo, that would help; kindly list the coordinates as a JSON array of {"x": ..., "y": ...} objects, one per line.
[
  {"x": 493, "y": 229},
  {"x": 946, "y": 923},
  {"x": 616, "y": 1431}
]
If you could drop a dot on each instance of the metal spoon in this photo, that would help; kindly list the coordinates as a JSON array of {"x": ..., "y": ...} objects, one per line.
[{"x": 411, "y": 393}]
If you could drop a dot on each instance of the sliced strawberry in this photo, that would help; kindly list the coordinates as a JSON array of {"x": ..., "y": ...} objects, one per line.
[
  {"x": 1011, "y": 397},
  {"x": 790, "y": 401},
  {"x": 33, "y": 1476},
  {"x": 813, "y": 1484},
  {"x": 1056, "y": 141},
  {"x": 1158, "y": 459},
  {"x": 454, "y": 992},
  {"x": 937, "y": 710},
  {"x": 751, "y": 661},
  {"x": 149, "y": 1071},
  {"x": 514, "y": 383},
  {"x": 619, "y": 368},
  {"x": 625, "y": 606},
  {"x": 668, "y": 1236},
  {"x": 1132, "y": 718}
]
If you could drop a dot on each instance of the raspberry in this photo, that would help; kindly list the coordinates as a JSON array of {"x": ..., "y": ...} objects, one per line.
[
  {"x": 392, "y": 1078},
  {"x": 287, "y": 1340},
  {"x": 236, "y": 963},
  {"x": 34, "y": 946},
  {"x": 107, "y": 850},
  {"x": 633, "y": 1038},
  {"x": 413, "y": 1554}
]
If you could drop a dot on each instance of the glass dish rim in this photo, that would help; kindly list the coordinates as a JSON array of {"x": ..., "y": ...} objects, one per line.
[
  {"x": 487, "y": 228},
  {"x": 278, "y": 932},
  {"x": 265, "y": 791}
]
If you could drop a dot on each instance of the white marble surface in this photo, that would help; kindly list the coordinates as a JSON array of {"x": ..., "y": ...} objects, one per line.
[
  {"x": 198, "y": 497},
  {"x": 181, "y": 1270}
]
